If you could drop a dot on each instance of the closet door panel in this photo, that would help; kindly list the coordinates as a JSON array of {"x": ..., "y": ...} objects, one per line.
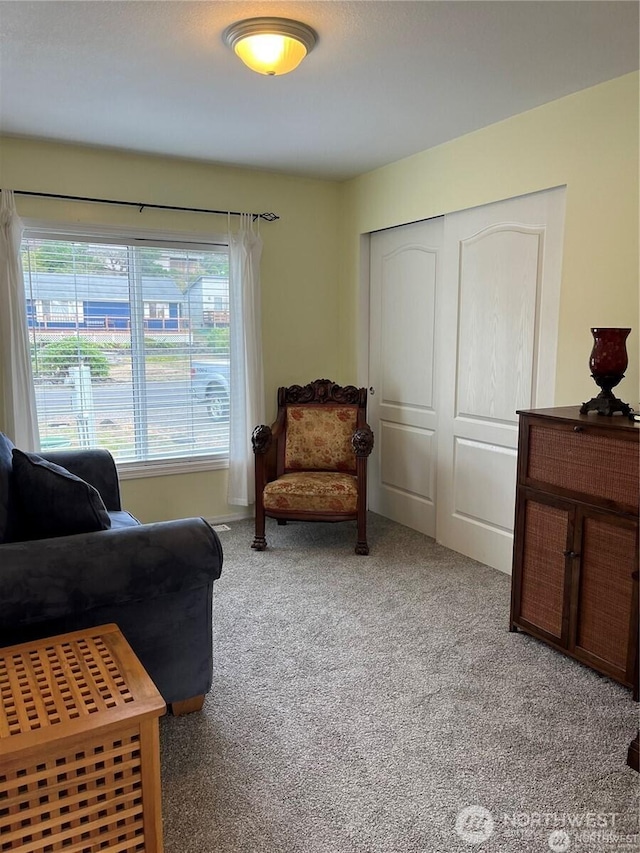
[
  {"x": 497, "y": 330},
  {"x": 405, "y": 265}
]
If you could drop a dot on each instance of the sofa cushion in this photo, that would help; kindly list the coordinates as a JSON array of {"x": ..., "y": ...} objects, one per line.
[
  {"x": 54, "y": 502},
  {"x": 121, "y": 519},
  {"x": 6, "y": 446}
]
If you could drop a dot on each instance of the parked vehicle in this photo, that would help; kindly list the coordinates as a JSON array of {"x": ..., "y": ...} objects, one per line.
[{"x": 210, "y": 385}]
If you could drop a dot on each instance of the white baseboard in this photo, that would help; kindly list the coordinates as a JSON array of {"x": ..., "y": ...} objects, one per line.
[{"x": 236, "y": 516}]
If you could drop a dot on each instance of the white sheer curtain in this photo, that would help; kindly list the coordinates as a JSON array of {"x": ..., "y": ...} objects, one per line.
[
  {"x": 18, "y": 396},
  {"x": 247, "y": 382}
]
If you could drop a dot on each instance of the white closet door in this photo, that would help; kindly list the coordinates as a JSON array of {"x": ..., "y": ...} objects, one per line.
[
  {"x": 497, "y": 332},
  {"x": 402, "y": 411}
]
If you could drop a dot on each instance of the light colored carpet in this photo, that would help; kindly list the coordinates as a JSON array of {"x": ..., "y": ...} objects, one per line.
[{"x": 359, "y": 703}]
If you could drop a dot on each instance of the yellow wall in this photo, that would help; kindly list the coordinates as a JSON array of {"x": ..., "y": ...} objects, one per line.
[
  {"x": 311, "y": 265},
  {"x": 298, "y": 271},
  {"x": 588, "y": 141}
]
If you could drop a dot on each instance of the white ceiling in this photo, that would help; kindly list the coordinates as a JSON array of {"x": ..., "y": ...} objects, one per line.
[{"x": 386, "y": 79}]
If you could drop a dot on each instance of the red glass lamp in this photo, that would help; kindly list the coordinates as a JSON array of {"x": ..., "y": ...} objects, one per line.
[{"x": 608, "y": 362}]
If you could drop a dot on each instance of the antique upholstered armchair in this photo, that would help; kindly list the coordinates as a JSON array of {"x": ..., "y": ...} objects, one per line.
[{"x": 311, "y": 464}]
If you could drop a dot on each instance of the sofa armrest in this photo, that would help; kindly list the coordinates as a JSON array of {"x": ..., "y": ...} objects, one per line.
[
  {"x": 46, "y": 579},
  {"x": 95, "y": 467}
]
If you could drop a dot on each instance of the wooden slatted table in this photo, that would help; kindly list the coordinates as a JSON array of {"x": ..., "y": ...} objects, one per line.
[{"x": 79, "y": 747}]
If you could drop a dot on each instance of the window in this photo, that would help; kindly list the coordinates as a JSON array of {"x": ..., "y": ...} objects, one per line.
[
  {"x": 156, "y": 310},
  {"x": 130, "y": 347}
]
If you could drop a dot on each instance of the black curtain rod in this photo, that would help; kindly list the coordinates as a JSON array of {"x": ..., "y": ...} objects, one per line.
[{"x": 268, "y": 217}]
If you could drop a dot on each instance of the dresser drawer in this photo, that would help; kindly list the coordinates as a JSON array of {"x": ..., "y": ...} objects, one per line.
[{"x": 585, "y": 462}]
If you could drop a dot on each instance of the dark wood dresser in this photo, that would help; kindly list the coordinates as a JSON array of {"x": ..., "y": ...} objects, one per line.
[{"x": 575, "y": 560}]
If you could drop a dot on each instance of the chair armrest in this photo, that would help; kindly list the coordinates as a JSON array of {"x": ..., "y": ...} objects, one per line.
[
  {"x": 49, "y": 578},
  {"x": 264, "y": 440},
  {"x": 261, "y": 439},
  {"x": 263, "y": 436},
  {"x": 362, "y": 441},
  {"x": 264, "y": 451},
  {"x": 95, "y": 467}
]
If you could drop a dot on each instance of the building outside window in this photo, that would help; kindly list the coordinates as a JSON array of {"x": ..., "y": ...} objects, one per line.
[
  {"x": 127, "y": 350},
  {"x": 49, "y": 311}
]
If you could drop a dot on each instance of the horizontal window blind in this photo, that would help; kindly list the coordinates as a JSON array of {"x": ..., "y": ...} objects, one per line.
[{"x": 129, "y": 346}]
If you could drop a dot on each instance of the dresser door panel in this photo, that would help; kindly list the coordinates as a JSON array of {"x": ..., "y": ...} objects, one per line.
[
  {"x": 604, "y": 599},
  {"x": 547, "y": 535}
]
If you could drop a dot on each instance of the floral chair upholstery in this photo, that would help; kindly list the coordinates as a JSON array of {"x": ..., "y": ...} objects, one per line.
[{"x": 311, "y": 464}]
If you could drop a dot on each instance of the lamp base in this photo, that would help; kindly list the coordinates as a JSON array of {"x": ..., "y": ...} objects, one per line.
[{"x": 605, "y": 404}]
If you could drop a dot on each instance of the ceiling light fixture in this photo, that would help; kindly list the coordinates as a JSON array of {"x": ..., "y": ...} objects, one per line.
[{"x": 270, "y": 46}]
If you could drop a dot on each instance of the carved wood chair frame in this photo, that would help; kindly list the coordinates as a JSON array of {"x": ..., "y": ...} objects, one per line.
[{"x": 269, "y": 450}]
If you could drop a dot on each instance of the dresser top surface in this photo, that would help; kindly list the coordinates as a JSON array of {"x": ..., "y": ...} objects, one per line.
[{"x": 571, "y": 414}]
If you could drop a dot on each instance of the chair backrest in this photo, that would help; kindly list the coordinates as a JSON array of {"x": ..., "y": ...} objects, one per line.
[
  {"x": 319, "y": 439},
  {"x": 318, "y": 421}
]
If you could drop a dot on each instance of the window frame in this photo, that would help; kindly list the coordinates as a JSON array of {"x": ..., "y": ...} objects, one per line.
[{"x": 45, "y": 230}]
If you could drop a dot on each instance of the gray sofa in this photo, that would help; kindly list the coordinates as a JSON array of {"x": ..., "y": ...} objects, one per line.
[{"x": 154, "y": 581}]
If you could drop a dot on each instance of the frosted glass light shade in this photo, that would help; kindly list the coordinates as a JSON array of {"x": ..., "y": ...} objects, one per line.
[
  {"x": 271, "y": 54},
  {"x": 270, "y": 46}
]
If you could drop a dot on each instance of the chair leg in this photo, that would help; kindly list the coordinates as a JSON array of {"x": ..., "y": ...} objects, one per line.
[
  {"x": 259, "y": 543},
  {"x": 361, "y": 544},
  {"x": 361, "y": 468}
]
